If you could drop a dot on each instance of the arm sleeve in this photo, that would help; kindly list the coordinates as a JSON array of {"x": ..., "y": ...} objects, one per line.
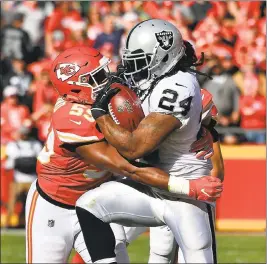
[{"x": 73, "y": 129}]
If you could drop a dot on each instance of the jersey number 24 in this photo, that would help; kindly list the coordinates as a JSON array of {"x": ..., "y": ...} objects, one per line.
[{"x": 168, "y": 101}]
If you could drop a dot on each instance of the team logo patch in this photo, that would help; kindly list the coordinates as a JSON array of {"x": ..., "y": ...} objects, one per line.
[
  {"x": 66, "y": 70},
  {"x": 51, "y": 223},
  {"x": 165, "y": 39}
]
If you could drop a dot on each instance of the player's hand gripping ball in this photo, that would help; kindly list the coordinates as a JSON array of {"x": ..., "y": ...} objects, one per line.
[{"x": 125, "y": 107}]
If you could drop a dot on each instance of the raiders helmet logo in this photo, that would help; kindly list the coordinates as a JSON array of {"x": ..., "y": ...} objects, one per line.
[
  {"x": 66, "y": 70},
  {"x": 165, "y": 39}
]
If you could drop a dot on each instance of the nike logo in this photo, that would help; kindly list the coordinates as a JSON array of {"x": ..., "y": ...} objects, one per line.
[
  {"x": 203, "y": 191},
  {"x": 180, "y": 85},
  {"x": 76, "y": 122}
]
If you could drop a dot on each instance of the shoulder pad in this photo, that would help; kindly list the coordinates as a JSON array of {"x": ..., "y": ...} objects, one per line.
[{"x": 75, "y": 124}]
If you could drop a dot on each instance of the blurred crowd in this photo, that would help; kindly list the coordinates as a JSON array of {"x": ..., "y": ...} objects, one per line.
[{"x": 231, "y": 34}]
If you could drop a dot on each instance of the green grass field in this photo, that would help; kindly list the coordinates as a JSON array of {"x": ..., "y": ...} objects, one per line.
[{"x": 231, "y": 249}]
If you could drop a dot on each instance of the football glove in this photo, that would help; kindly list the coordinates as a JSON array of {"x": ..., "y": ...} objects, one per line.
[
  {"x": 206, "y": 188},
  {"x": 100, "y": 106}
]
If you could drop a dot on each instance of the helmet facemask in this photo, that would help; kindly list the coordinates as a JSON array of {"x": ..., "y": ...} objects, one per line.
[
  {"x": 96, "y": 79},
  {"x": 138, "y": 65},
  {"x": 142, "y": 68}
]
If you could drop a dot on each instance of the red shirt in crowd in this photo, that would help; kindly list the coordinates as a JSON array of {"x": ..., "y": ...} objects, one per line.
[
  {"x": 253, "y": 112},
  {"x": 12, "y": 118}
]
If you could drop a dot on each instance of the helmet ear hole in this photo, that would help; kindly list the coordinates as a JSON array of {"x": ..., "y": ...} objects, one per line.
[
  {"x": 166, "y": 58},
  {"x": 75, "y": 91}
]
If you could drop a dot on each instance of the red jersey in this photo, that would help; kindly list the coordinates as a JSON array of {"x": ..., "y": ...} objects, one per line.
[
  {"x": 12, "y": 118},
  {"x": 62, "y": 173},
  {"x": 253, "y": 112}
]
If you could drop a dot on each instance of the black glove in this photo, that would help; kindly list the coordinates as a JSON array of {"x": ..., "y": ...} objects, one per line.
[
  {"x": 100, "y": 106},
  {"x": 117, "y": 77}
]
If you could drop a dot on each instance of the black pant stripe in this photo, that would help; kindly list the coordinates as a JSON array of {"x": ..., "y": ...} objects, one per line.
[{"x": 212, "y": 229}]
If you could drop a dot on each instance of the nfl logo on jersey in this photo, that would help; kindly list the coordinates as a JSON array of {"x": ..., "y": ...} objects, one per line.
[{"x": 51, "y": 223}]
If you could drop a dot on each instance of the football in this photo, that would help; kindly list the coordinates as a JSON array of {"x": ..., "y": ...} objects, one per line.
[{"x": 125, "y": 108}]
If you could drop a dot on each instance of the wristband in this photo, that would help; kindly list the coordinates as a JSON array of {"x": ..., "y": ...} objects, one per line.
[{"x": 178, "y": 185}]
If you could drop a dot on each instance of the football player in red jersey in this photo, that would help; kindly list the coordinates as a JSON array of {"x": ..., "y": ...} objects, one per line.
[{"x": 75, "y": 159}]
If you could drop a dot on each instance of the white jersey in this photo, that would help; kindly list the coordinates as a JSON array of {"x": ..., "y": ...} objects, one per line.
[{"x": 179, "y": 95}]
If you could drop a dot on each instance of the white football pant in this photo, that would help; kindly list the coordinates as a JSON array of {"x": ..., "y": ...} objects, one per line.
[
  {"x": 162, "y": 242},
  {"x": 190, "y": 221},
  {"x": 52, "y": 232}
]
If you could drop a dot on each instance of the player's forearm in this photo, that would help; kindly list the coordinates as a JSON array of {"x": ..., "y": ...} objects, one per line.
[
  {"x": 106, "y": 157},
  {"x": 149, "y": 176},
  {"x": 217, "y": 162},
  {"x": 127, "y": 144},
  {"x": 217, "y": 173}
]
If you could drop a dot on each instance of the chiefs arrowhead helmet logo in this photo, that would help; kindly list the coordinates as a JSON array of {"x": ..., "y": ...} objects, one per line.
[
  {"x": 165, "y": 39},
  {"x": 66, "y": 70}
]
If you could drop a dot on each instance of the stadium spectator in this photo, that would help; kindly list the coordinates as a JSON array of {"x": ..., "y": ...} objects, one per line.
[
  {"x": 13, "y": 115},
  {"x": 110, "y": 34},
  {"x": 199, "y": 11},
  {"x": 21, "y": 157},
  {"x": 228, "y": 64},
  {"x": 233, "y": 31},
  {"x": 107, "y": 51},
  {"x": 19, "y": 76},
  {"x": 249, "y": 75},
  {"x": 116, "y": 9},
  {"x": 78, "y": 36},
  {"x": 253, "y": 111},
  {"x": 58, "y": 23},
  {"x": 15, "y": 42},
  {"x": 129, "y": 19},
  {"x": 34, "y": 16},
  {"x": 95, "y": 27},
  {"x": 226, "y": 98}
]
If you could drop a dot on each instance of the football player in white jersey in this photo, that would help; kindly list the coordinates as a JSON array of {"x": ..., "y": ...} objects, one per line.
[
  {"x": 163, "y": 248},
  {"x": 158, "y": 65}
]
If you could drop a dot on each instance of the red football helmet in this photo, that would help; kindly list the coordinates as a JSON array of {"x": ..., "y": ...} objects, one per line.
[{"x": 79, "y": 73}]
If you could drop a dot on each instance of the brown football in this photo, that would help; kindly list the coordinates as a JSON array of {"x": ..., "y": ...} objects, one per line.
[{"x": 125, "y": 108}]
